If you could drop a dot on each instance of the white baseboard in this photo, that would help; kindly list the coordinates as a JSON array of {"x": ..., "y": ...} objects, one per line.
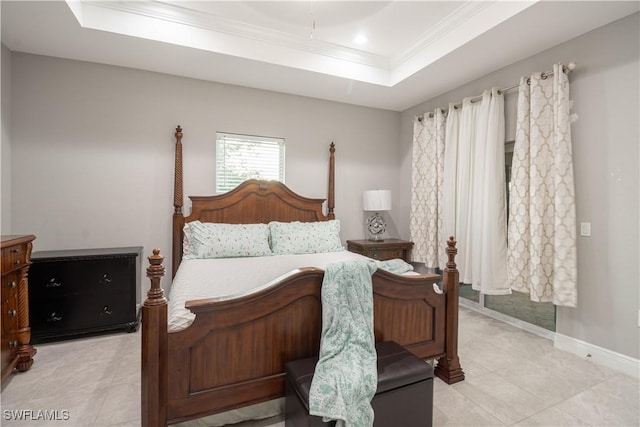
[{"x": 616, "y": 361}]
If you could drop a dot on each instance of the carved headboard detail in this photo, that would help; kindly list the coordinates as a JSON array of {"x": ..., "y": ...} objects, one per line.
[{"x": 253, "y": 201}]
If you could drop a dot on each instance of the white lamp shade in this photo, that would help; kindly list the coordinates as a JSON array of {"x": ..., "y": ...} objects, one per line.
[{"x": 377, "y": 200}]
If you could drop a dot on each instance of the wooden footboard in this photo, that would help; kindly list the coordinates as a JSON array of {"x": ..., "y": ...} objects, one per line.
[{"x": 234, "y": 353}]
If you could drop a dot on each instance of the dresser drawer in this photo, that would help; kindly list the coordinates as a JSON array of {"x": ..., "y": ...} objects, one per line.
[
  {"x": 14, "y": 257},
  {"x": 65, "y": 277},
  {"x": 384, "y": 254},
  {"x": 8, "y": 341},
  {"x": 10, "y": 312},
  {"x": 66, "y": 314},
  {"x": 10, "y": 283},
  {"x": 381, "y": 250}
]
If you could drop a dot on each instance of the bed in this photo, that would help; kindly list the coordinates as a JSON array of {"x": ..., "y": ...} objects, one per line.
[{"x": 232, "y": 354}]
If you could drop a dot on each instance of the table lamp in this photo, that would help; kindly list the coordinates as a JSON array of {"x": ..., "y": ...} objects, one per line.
[{"x": 376, "y": 201}]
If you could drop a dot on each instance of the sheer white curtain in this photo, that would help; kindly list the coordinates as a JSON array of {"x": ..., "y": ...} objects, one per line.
[
  {"x": 542, "y": 219},
  {"x": 480, "y": 188},
  {"x": 472, "y": 200},
  {"x": 451, "y": 199}
]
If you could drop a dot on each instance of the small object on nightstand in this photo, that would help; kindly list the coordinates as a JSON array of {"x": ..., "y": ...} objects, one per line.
[{"x": 382, "y": 250}]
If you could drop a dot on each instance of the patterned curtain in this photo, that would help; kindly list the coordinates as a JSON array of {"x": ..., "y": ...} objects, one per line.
[
  {"x": 542, "y": 219},
  {"x": 425, "y": 218}
]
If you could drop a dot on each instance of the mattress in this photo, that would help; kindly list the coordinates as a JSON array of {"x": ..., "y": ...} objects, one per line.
[{"x": 225, "y": 278}]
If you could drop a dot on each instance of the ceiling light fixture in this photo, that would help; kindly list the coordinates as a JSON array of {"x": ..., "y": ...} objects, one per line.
[{"x": 360, "y": 39}]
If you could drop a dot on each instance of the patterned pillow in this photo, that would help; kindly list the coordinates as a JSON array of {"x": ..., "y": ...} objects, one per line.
[
  {"x": 305, "y": 237},
  {"x": 213, "y": 240}
]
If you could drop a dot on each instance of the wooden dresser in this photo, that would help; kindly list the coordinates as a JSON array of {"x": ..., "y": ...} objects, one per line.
[
  {"x": 78, "y": 292},
  {"x": 17, "y": 351},
  {"x": 382, "y": 249}
]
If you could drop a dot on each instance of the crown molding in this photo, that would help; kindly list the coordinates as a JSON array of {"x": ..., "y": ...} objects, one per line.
[
  {"x": 214, "y": 33},
  {"x": 450, "y": 23},
  {"x": 216, "y": 24}
]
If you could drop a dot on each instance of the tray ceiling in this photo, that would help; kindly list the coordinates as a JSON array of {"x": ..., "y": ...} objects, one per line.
[{"x": 414, "y": 50}]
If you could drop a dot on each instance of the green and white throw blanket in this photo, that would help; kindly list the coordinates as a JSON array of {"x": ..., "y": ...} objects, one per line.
[{"x": 346, "y": 376}]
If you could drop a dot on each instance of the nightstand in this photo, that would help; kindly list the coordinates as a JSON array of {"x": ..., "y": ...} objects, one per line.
[{"x": 381, "y": 250}]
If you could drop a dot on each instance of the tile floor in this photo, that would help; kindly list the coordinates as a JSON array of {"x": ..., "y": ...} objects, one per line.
[{"x": 512, "y": 378}]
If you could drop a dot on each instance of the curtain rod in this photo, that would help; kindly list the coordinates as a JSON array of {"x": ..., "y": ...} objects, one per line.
[{"x": 565, "y": 68}]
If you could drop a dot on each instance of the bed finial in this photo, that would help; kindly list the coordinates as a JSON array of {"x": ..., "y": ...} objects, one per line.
[
  {"x": 451, "y": 252},
  {"x": 332, "y": 190},
  {"x": 155, "y": 272}
]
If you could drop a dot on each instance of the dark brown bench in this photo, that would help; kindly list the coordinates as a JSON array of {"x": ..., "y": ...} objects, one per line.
[{"x": 404, "y": 397}]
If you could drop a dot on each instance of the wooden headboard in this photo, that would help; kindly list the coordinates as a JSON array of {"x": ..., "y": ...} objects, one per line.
[{"x": 252, "y": 202}]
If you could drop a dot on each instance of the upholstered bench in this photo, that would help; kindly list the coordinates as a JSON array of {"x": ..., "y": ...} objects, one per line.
[{"x": 404, "y": 397}]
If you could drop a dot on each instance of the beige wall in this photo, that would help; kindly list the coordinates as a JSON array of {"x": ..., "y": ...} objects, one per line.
[
  {"x": 92, "y": 149},
  {"x": 605, "y": 90},
  {"x": 5, "y": 150}
]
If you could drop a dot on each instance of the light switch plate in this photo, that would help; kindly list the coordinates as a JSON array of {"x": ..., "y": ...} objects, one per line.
[{"x": 585, "y": 229}]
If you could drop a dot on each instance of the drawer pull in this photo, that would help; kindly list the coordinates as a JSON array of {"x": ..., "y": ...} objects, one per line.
[
  {"x": 11, "y": 313},
  {"x": 53, "y": 283},
  {"x": 53, "y": 318},
  {"x": 105, "y": 310},
  {"x": 13, "y": 344},
  {"x": 12, "y": 284},
  {"x": 17, "y": 262},
  {"x": 105, "y": 279}
]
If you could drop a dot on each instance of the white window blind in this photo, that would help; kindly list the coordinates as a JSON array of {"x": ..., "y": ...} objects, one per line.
[{"x": 241, "y": 157}]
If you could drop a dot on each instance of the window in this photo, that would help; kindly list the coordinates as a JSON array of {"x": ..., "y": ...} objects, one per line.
[{"x": 241, "y": 157}]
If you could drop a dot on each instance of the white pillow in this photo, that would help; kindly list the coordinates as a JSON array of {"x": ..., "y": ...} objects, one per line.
[
  {"x": 305, "y": 237},
  {"x": 214, "y": 240}
]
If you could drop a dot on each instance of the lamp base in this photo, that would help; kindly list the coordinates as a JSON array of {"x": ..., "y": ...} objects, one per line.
[{"x": 376, "y": 227}]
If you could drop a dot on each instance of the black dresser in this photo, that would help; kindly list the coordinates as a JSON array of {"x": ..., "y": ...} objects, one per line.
[{"x": 78, "y": 292}]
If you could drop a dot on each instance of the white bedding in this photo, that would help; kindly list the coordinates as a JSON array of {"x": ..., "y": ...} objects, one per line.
[{"x": 230, "y": 277}]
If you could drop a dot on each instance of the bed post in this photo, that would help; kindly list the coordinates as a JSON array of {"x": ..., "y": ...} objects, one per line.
[
  {"x": 448, "y": 369},
  {"x": 332, "y": 187},
  {"x": 178, "y": 199},
  {"x": 154, "y": 374}
]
